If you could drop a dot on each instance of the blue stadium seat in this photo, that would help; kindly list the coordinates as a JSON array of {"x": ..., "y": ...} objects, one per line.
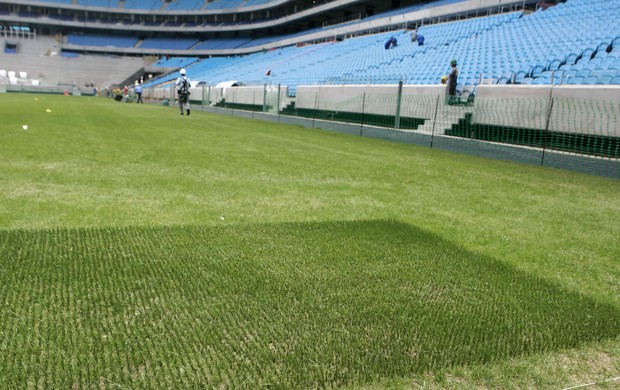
[
  {"x": 591, "y": 65},
  {"x": 571, "y": 58},
  {"x": 570, "y": 73},
  {"x": 520, "y": 75},
  {"x": 602, "y": 47},
  {"x": 596, "y": 73},
  {"x": 583, "y": 73},
  {"x": 574, "y": 80},
  {"x": 554, "y": 65},
  {"x": 576, "y": 67},
  {"x": 587, "y": 53},
  {"x": 537, "y": 70},
  {"x": 590, "y": 80},
  {"x": 614, "y": 66}
]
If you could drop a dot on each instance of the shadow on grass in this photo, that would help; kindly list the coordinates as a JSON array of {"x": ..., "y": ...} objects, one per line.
[{"x": 292, "y": 305}]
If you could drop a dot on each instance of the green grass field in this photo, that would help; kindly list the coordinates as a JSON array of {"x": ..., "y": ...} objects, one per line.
[{"x": 141, "y": 249}]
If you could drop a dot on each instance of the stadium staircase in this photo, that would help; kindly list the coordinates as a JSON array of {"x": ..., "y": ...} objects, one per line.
[{"x": 447, "y": 117}]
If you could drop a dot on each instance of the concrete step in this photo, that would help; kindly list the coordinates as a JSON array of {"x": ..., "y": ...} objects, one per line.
[
  {"x": 436, "y": 127},
  {"x": 447, "y": 116}
]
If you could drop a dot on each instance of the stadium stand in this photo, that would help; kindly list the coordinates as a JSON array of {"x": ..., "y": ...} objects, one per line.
[
  {"x": 144, "y": 4},
  {"x": 215, "y": 44},
  {"x": 246, "y": 61},
  {"x": 504, "y": 48},
  {"x": 99, "y": 3},
  {"x": 176, "y": 62},
  {"x": 224, "y": 4},
  {"x": 168, "y": 43},
  {"x": 52, "y": 68},
  {"x": 185, "y": 5},
  {"x": 361, "y": 60},
  {"x": 58, "y": 1},
  {"x": 534, "y": 54},
  {"x": 173, "y": 4},
  {"x": 253, "y": 3},
  {"x": 101, "y": 40}
]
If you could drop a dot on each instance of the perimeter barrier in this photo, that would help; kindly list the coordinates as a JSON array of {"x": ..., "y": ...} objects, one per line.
[
  {"x": 573, "y": 127},
  {"x": 567, "y": 127}
]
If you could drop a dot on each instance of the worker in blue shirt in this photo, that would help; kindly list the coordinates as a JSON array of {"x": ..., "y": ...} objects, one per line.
[{"x": 138, "y": 90}]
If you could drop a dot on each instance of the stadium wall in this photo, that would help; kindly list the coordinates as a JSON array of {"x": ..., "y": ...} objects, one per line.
[
  {"x": 567, "y": 127},
  {"x": 575, "y": 109}
]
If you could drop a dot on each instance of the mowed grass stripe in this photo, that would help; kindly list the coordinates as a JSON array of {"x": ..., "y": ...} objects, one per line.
[
  {"x": 292, "y": 305},
  {"x": 95, "y": 162}
]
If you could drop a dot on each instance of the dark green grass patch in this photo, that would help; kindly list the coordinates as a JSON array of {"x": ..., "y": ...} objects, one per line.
[{"x": 291, "y": 305}]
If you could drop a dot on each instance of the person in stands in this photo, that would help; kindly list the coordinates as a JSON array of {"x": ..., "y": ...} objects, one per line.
[
  {"x": 452, "y": 80},
  {"x": 392, "y": 42}
]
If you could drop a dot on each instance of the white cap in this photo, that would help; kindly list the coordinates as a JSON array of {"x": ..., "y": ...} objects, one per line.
[{"x": 183, "y": 72}]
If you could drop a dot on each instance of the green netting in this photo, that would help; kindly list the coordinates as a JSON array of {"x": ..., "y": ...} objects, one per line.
[
  {"x": 366, "y": 109},
  {"x": 525, "y": 129},
  {"x": 588, "y": 127}
]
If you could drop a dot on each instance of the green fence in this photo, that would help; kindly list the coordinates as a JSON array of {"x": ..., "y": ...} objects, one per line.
[
  {"x": 569, "y": 133},
  {"x": 576, "y": 133}
]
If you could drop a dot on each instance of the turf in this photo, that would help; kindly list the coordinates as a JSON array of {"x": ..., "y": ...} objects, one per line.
[
  {"x": 141, "y": 249},
  {"x": 296, "y": 305}
]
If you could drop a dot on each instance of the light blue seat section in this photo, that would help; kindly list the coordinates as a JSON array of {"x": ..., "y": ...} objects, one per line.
[
  {"x": 540, "y": 48},
  {"x": 99, "y": 3},
  {"x": 184, "y": 5},
  {"x": 223, "y": 4},
  {"x": 175, "y": 62},
  {"x": 220, "y": 43},
  {"x": 58, "y": 1},
  {"x": 253, "y": 3},
  {"x": 168, "y": 43},
  {"x": 358, "y": 60},
  {"x": 173, "y": 5},
  {"x": 101, "y": 40},
  {"x": 144, "y": 4},
  {"x": 214, "y": 5}
]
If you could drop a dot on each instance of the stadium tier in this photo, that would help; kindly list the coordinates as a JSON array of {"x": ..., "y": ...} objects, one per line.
[
  {"x": 185, "y": 5},
  {"x": 144, "y": 4},
  {"x": 168, "y": 43},
  {"x": 500, "y": 47},
  {"x": 169, "y": 5},
  {"x": 99, "y": 3},
  {"x": 538, "y": 48},
  {"x": 216, "y": 44},
  {"x": 101, "y": 40}
]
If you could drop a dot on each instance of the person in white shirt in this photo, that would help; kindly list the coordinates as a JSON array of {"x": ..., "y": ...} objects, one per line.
[{"x": 182, "y": 86}]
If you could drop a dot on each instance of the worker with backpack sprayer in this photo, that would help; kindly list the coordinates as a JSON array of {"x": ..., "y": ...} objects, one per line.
[{"x": 182, "y": 86}]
